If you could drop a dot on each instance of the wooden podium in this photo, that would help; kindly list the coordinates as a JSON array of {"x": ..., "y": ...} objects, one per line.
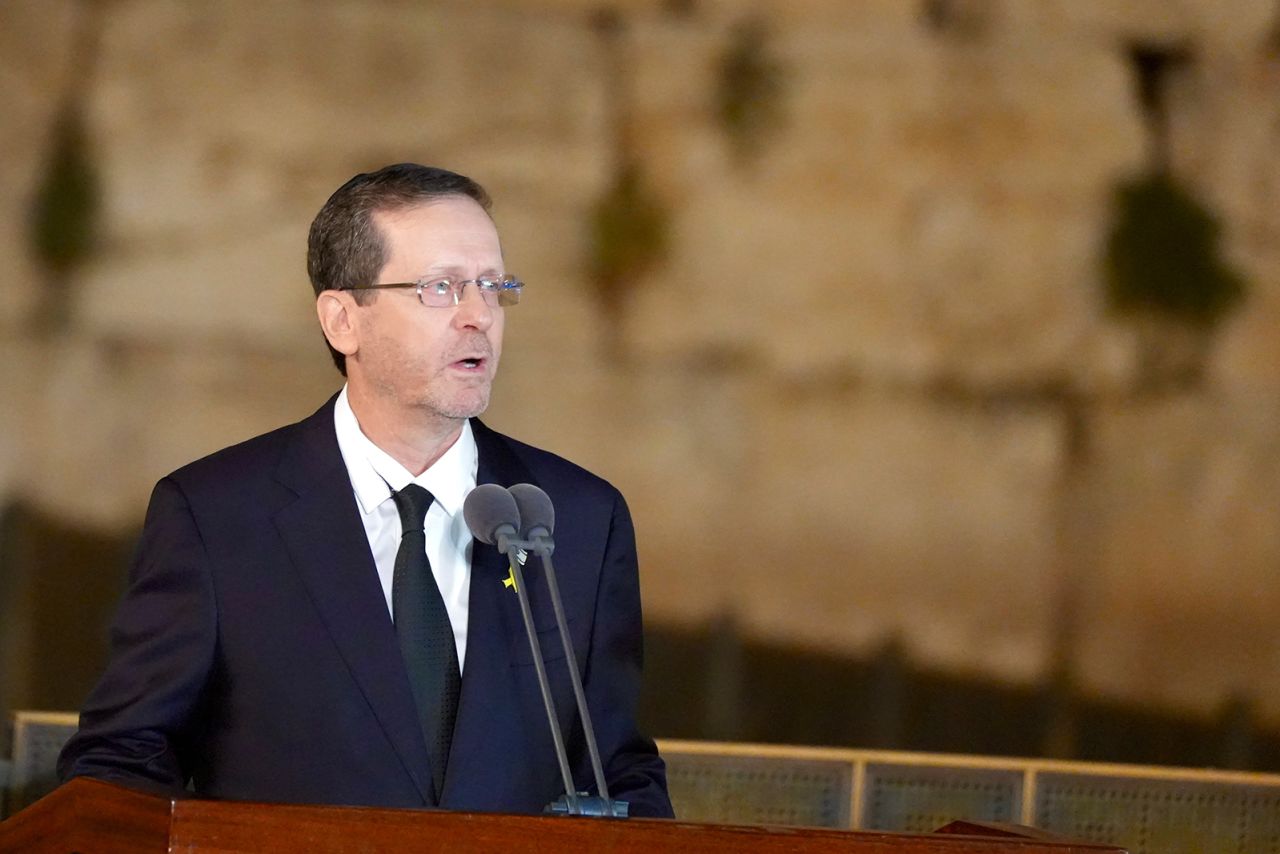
[{"x": 92, "y": 817}]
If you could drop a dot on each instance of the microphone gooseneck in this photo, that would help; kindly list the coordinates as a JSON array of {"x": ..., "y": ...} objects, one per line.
[
  {"x": 539, "y": 517},
  {"x": 494, "y": 519},
  {"x": 498, "y": 516}
]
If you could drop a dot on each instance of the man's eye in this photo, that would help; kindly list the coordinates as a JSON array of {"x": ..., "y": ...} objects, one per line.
[
  {"x": 439, "y": 287},
  {"x": 489, "y": 285}
]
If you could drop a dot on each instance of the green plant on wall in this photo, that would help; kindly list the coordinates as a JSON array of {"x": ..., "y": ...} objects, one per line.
[
  {"x": 64, "y": 217},
  {"x": 1166, "y": 276},
  {"x": 629, "y": 237},
  {"x": 1163, "y": 259},
  {"x": 750, "y": 90}
]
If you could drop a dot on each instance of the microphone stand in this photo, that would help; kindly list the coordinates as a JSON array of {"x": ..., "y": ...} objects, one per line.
[
  {"x": 510, "y": 547},
  {"x": 572, "y": 802}
]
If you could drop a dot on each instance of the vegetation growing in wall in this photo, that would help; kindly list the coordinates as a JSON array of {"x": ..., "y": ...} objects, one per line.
[
  {"x": 64, "y": 217},
  {"x": 965, "y": 19},
  {"x": 750, "y": 90},
  {"x": 1271, "y": 45},
  {"x": 629, "y": 237},
  {"x": 1163, "y": 258}
]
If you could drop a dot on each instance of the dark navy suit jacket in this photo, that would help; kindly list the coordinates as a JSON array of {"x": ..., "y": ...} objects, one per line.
[{"x": 253, "y": 654}]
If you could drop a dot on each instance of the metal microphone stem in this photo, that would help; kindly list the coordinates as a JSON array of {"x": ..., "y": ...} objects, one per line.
[
  {"x": 543, "y": 550},
  {"x": 510, "y": 548}
]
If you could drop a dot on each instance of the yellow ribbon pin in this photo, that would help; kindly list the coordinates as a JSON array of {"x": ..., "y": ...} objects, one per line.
[{"x": 510, "y": 580}]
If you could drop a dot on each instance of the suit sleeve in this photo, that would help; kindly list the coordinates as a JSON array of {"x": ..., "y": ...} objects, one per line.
[
  {"x": 632, "y": 767},
  {"x": 138, "y": 720}
]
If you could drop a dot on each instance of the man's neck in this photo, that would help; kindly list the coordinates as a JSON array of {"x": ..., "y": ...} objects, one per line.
[{"x": 412, "y": 437}]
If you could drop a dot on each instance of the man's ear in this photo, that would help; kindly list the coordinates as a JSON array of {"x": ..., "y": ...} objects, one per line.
[{"x": 335, "y": 310}]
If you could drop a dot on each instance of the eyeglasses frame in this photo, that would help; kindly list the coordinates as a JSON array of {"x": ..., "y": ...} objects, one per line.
[{"x": 508, "y": 295}]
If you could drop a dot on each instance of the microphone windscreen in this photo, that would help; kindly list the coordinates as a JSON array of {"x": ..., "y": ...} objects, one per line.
[
  {"x": 536, "y": 509},
  {"x": 488, "y": 507}
]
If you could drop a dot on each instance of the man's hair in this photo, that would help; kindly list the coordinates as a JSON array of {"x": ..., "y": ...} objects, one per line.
[{"x": 345, "y": 247}]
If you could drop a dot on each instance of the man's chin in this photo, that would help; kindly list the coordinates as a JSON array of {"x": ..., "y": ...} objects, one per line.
[{"x": 459, "y": 408}]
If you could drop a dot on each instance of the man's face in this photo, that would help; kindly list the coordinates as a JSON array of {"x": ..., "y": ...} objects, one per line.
[{"x": 441, "y": 360}]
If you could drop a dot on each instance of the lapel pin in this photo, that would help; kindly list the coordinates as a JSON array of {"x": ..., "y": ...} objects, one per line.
[{"x": 510, "y": 580}]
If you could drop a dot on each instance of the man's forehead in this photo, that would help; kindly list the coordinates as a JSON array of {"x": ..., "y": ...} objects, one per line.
[
  {"x": 444, "y": 206},
  {"x": 440, "y": 235}
]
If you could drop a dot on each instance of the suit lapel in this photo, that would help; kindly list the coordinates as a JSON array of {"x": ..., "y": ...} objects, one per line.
[
  {"x": 493, "y": 621},
  {"x": 330, "y": 550}
]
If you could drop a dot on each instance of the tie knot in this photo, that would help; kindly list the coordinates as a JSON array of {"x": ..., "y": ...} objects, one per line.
[{"x": 413, "y": 502}]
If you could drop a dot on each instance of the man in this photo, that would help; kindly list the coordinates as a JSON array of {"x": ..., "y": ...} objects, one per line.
[{"x": 294, "y": 632}]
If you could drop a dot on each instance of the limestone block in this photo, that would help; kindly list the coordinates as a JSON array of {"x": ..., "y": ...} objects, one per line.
[
  {"x": 1224, "y": 121},
  {"x": 544, "y": 241},
  {"x": 1151, "y": 20},
  {"x": 672, "y": 438},
  {"x": 19, "y": 389},
  {"x": 872, "y": 20},
  {"x": 787, "y": 282},
  {"x": 251, "y": 286},
  {"x": 258, "y": 109},
  {"x": 1247, "y": 354},
  {"x": 20, "y": 277},
  {"x": 781, "y": 237},
  {"x": 700, "y": 12},
  {"x": 1009, "y": 169},
  {"x": 121, "y": 414},
  {"x": 78, "y": 439},
  {"x": 214, "y": 170},
  {"x": 1182, "y": 605},
  {"x": 1240, "y": 32},
  {"x": 887, "y": 515}
]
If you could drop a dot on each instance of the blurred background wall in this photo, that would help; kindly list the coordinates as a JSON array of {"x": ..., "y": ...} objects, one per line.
[{"x": 933, "y": 342}]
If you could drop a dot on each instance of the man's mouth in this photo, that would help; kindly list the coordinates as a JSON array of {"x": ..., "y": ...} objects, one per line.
[{"x": 470, "y": 364}]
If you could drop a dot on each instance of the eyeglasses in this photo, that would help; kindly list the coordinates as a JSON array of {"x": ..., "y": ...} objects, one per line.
[{"x": 447, "y": 292}]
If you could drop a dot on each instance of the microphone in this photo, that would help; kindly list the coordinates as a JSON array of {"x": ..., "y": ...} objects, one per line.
[
  {"x": 537, "y": 516},
  {"x": 492, "y": 515}
]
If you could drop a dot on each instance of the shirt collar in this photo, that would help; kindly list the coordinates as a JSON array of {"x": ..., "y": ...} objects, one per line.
[{"x": 449, "y": 479}]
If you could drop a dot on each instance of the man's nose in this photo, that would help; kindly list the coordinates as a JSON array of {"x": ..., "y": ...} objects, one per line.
[{"x": 472, "y": 310}]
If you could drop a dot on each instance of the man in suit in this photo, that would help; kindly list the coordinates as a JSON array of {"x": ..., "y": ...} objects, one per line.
[{"x": 292, "y": 632}]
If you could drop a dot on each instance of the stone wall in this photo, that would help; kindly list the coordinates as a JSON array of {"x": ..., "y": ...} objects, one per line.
[{"x": 836, "y": 406}]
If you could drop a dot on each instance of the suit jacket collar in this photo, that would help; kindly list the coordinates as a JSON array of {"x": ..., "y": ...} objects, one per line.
[
  {"x": 313, "y": 452},
  {"x": 498, "y": 462},
  {"x": 327, "y": 543},
  {"x": 495, "y": 623}
]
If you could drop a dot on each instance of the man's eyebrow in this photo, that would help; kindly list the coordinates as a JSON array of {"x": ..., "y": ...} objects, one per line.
[{"x": 453, "y": 271}]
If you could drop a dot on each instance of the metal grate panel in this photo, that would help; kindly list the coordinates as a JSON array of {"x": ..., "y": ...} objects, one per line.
[
  {"x": 1160, "y": 816},
  {"x": 760, "y": 790},
  {"x": 917, "y": 798},
  {"x": 38, "y": 738}
]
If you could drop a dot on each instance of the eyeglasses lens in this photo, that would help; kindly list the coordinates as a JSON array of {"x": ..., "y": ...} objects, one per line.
[{"x": 444, "y": 293}]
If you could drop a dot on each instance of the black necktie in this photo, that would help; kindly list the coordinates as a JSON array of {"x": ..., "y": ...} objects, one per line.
[{"x": 424, "y": 631}]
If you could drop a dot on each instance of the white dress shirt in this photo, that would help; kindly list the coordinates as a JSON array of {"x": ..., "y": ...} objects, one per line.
[{"x": 374, "y": 473}]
